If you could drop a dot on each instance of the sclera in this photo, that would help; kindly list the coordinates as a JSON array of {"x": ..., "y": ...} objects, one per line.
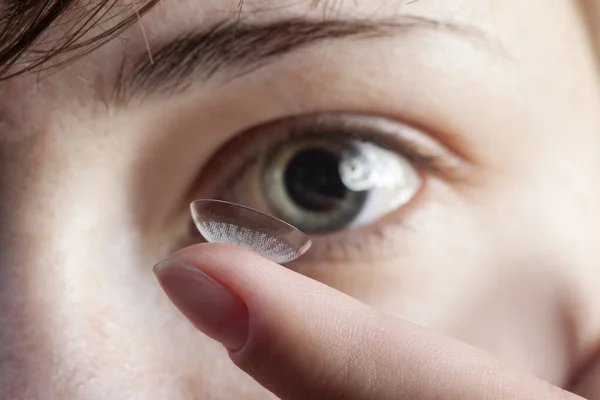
[{"x": 224, "y": 222}]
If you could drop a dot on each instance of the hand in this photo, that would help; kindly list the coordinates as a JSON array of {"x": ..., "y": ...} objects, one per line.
[{"x": 303, "y": 340}]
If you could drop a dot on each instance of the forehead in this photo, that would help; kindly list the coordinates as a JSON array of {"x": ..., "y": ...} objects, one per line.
[
  {"x": 507, "y": 21},
  {"x": 210, "y": 10},
  {"x": 497, "y": 17},
  {"x": 515, "y": 26},
  {"x": 170, "y": 18}
]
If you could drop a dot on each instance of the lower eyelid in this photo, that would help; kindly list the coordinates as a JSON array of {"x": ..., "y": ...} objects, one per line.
[
  {"x": 384, "y": 240},
  {"x": 374, "y": 242}
]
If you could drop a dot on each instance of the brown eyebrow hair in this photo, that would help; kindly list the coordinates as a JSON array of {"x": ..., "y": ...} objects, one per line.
[
  {"x": 230, "y": 45},
  {"x": 26, "y": 29},
  {"x": 237, "y": 48},
  {"x": 26, "y": 26}
]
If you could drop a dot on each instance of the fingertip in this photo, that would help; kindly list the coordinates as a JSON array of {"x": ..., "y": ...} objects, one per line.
[
  {"x": 243, "y": 269},
  {"x": 219, "y": 253},
  {"x": 210, "y": 306}
]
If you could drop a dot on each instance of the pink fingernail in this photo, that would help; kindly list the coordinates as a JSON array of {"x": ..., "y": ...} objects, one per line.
[{"x": 207, "y": 304}]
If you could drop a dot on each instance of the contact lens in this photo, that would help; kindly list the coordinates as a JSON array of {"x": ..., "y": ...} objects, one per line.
[{"x": 223, "y": 222}]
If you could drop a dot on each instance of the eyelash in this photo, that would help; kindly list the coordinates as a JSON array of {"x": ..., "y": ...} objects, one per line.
[{"x": 426, "y": 155}]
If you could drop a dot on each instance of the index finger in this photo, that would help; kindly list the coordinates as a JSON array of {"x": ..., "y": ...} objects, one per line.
[{"x": 303, "y": 340}]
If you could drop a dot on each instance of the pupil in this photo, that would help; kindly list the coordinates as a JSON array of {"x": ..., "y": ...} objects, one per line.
[{"x": 313, "y": 180}]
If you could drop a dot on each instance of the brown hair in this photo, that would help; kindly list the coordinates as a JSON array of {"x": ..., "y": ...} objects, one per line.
[{"x": 25, "y": 27}]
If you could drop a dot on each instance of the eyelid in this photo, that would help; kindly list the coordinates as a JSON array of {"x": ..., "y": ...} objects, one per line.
[{"x": 424, "y": 152}]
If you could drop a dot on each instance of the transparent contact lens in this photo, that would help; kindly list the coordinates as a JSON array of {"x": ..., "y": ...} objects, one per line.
[{"x": 223, "y": 222}]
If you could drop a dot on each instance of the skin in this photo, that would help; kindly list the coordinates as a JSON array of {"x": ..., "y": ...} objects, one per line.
[{"x": 502, "y": 258}]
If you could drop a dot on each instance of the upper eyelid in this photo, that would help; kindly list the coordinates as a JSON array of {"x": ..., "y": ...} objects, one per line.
[
  {"x": 424, "y": 151},
  {"x": 419, "y": 147}
]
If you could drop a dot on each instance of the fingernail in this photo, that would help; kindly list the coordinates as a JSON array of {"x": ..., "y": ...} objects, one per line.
[{"x": 207, "y": 304}]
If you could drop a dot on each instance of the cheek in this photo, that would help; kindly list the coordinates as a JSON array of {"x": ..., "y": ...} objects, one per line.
[
  {"x": 484, "y": 266},
  {"x": 434, "y": 255}
]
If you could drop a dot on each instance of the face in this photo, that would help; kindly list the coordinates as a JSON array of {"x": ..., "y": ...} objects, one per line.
[{"x": 441, "y": 155}]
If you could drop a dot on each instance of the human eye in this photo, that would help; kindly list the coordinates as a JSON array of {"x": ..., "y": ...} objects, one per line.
[{"x": 340, "y": 178}]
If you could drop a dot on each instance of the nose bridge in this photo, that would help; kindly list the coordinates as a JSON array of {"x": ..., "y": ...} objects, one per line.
[
  {"x": 47, "y": 199},
  {"x": 67, "y": 274},
  {"x": 26, "y": 333}
]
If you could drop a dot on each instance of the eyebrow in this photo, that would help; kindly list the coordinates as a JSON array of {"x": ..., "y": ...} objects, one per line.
[{"x": 239, "y": 48}]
